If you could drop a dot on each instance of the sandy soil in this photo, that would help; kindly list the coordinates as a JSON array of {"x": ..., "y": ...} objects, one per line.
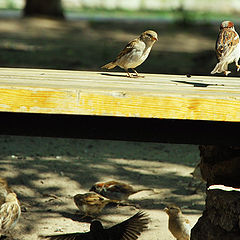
[{"x": 47, "y": 172}]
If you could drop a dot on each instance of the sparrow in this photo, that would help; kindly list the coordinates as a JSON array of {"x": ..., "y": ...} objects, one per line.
[
  {"x": 227, "y": 48},
  {"x": 116, "y": 191},
  {"x": 197, "y": 173},
  {"x": 91, "y": 203},
  {"x": 134, "y": 53},
  {"x": 178, "y": 225},
  {"x": 10, "y": 212},
  {"x": 129, "y": 229},
  {"x": 4, "y": 184},
  {"x": 4, "y": 190},
  {"x": 197, "y": 177}
]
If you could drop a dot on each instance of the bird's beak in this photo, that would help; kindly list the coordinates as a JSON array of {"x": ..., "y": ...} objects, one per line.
[
  {"x": 154, "y": 39},
  {"x": 165, "y": 209}
]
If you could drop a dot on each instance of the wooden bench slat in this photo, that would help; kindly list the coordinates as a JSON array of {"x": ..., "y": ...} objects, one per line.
[{"x": 113, "y": 94}]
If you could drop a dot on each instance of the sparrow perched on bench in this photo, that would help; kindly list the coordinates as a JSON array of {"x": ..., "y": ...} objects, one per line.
[
  {"x": 227, "y": 48},
  {"x": 134, "y": 53},
  {"x": 90, "y": 204},
  {"x": 178, "y": 225},
  {"x": 116, "y": 191},
  {"x": 129, "y": 229}
]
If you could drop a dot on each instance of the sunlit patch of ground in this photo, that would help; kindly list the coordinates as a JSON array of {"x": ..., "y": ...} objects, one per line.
[{"x": 47, "y": 172}]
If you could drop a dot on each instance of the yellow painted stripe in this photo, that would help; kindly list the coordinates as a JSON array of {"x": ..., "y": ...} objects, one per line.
[
  {"x": 90, "y": 93},
  {"x": 34, "y": 100}
]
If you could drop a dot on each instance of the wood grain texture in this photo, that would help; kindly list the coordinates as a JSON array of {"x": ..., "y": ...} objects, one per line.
[{"x": 113, "y": 94}]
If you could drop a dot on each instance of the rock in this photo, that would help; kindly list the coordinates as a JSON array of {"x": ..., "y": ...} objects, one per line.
[
  {"x": 220, "y": 219},
  {"x": 220, "y": 165}
]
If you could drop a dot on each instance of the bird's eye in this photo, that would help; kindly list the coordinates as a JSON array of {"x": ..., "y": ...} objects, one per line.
[{"x": 149, "y": 35}]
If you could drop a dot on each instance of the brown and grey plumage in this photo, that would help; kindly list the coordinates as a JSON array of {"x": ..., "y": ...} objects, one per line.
[
  {"x": 10, "y": 212},
  {"x": 134, "y": 53},
  {"x": 227, "y": 48},
  {"x": 129, "y": 229},
  {"x": 91, "y": 203},
  {"x": 115, "y": 190},
  {"x": 178, "y": 225},
  {"x": 4, "y": 190}
]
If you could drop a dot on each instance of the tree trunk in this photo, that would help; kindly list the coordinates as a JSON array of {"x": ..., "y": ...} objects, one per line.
[
  {"x": 221, "y": 217},
  {"x": 47, "y": 8}
]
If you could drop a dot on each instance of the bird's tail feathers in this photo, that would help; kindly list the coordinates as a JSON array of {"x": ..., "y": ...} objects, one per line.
[
  {"x": 144, "y": 189},
  {"x": 220, "y": 67},
  {"x": 109, "y": 65},
  {"x": 71, "y": 236}
]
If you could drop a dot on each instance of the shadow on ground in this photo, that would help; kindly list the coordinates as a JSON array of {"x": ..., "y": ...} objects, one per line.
[{"x": 47, "y": 172}]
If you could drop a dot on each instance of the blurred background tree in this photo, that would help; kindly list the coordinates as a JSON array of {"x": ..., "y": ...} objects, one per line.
[{"x": 50, "y": 8}]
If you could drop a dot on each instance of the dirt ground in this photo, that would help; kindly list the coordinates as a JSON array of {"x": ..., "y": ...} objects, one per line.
[{"x": 47, "y": 172}]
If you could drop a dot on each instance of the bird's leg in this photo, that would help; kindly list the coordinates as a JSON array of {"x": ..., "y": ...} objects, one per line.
[
  {"x": 227, "y": 72},
  {"x": 124, "y": 203},
  {"x": 128, "y": 73},
  {"x": 137, "y": 206},
  {"x": 237, "y": 65},
  {"x": 81, "y": 215},
  {"x": 136, "y": 73}
]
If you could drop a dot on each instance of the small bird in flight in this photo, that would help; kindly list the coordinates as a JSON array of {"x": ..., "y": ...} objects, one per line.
[{"x": 129, "y": 229}]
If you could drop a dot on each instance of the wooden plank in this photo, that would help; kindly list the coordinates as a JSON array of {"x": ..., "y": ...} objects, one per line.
[{"x": 113, "y": 94}]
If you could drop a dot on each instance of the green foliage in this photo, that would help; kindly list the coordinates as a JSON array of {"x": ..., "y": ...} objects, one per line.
[
  {"x": 179, "y": 16},
  {"x": 11, "y": 4}
]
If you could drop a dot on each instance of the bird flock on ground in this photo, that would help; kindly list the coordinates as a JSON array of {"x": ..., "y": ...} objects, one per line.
[
  {"x": 137, "y": 50},
  {"x": 91, "y": 204},
  {"x": 102, "y": 193}
]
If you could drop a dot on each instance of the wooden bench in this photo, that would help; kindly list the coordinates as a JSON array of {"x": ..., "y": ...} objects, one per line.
[
  {"x": 108, "y": 105},
  {"x": 161, "y": 108}
]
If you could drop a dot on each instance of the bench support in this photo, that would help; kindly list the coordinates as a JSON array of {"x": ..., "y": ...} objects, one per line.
[{"x": 220, "y": 165}]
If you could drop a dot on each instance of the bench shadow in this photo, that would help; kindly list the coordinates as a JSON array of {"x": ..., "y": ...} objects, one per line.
[
  {"x": 113, "y": 75},
  {"x": 197, "y": 84}
]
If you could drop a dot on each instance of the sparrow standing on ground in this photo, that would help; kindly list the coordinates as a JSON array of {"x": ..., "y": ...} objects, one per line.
[
  {"x": 90, "y": 204},
  {"x": 116, "y": 191},
  {"x": 135, "y": 53},
  {"x": 129, "y": 229},
  {"x": 178, "y": 225},
  {"x": 197, "y": 176},
  {"x": 227, "y": 48},
  {"x": 10, "y": 212},
  {"x": 4, "y": 190}
]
